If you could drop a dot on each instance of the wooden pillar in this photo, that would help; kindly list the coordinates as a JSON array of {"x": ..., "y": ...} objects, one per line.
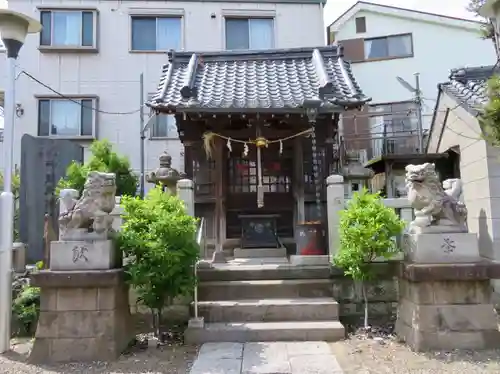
[
  {"x": 219, "y": 192},
  {"x": 298, "y": 183}
]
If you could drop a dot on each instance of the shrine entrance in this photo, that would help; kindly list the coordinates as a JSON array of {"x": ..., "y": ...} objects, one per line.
[{"x": 244, "y": 208}]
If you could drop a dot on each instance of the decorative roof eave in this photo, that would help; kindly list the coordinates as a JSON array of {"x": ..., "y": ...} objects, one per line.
[
  {"x": 328, "y": 106},
  {"x": 328, "y": 95}
]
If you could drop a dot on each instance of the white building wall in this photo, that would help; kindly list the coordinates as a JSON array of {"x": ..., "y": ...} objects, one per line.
[
  {"x": 113, "y": 73},
  {"x": 437, "y": 48}
]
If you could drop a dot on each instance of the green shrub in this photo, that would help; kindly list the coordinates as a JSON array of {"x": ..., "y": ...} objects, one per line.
[
  {"x": 102, "y": 159},
  {"x": 367, "y": 231},
  {"x": 158, "y": 240},
  {"x": 25, "y": 311}
]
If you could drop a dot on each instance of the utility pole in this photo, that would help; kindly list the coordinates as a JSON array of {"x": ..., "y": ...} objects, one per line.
[
  {"x": 142, "y": 133},
  {"x": 418, "y": 101}
]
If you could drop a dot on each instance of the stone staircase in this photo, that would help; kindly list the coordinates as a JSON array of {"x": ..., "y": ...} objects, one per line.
[{"x": 266, "y": 301}]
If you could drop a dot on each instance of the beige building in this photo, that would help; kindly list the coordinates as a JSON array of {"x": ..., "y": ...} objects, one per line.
[
  {"x": 455, "y": 128},
  {"x": 93, "y": 52}
]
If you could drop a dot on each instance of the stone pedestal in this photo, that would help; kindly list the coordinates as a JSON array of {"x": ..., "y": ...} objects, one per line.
[
  {"x": 19, "y": 257},
  {"x": 441, "y": 248},
  {"x": 84, "y": 316},
  {"x": 84, "y": 255},
  {"x": 447, "y": 306}
]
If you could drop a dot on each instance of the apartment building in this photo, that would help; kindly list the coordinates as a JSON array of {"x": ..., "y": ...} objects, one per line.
[
  {"x": 387, "y": 46},
  {"x": 93, "y": 52}
]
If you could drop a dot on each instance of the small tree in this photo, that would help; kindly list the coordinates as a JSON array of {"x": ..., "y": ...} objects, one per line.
[
  {"x": 158, "y": 238},
  {"x": 103, "y": 159},
  {"x": 367, "y": 231}
]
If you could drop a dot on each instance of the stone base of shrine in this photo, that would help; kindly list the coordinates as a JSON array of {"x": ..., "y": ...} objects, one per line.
[
  {"x": 447, "y": 306},
  {"x": 84, "y": 316}
]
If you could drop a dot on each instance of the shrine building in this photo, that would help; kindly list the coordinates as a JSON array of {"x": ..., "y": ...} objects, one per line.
[{"x": 260, "y": 131}]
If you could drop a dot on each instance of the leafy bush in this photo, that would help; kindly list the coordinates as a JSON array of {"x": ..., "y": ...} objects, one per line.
[
  {"x": 16, "y": 185},
  {"x": 158, "y": 240},
  {"x": 25, "y": 311},
  {"x": 103, "y": 159},
  {"x": 367, "y": 231}
]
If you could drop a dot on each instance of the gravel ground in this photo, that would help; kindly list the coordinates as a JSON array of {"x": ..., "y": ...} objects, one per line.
[
  {"x": 173, "y": 359},
  {"x": 359, "y": 355}
]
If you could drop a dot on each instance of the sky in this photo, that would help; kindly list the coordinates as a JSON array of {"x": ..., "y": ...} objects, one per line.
[{"x": 454, "y": 8}]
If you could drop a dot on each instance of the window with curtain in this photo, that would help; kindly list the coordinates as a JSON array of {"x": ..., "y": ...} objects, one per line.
[
  {"x": 156, "y": 33},
  {"x": 68, "y": 28},
  {"x": 66, "y": 118},
  {"x": 389, "y": 47},
  {"x": 249, "y": 33}
]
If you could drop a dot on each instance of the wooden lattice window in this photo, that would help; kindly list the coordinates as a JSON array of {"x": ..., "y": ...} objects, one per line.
[
  {"x": 324, "y": 168},
  {"x": 243, "y": 176},
  {"x": 200, "y": 170},
  {"x": 204, "y": 176}
]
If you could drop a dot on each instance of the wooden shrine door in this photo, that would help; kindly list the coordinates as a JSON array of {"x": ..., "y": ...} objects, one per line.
[{"x": 241, "y": 177}]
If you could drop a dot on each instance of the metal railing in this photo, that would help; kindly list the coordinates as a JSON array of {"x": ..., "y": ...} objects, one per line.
[{"x": 200, "y": 239}]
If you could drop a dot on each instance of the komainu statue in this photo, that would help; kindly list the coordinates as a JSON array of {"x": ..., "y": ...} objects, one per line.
[
  {"x": 436, "y": 209},
  {"x": 90, "y": 214}
]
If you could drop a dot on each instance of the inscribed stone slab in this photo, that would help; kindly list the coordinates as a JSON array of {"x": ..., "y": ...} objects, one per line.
[
  {"x": 82, "y": 255},
  {"x": 441, "y": 248}
]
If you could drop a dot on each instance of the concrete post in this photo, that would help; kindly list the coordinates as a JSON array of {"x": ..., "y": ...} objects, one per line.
[
  {"x": 334, "y": 203},
  {"x": 185, "y": 191},
  {"x": 117, "y": 214}
]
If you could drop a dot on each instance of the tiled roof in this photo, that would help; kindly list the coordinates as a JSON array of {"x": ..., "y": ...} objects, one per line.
[
  {"x": 257, "y": 80},
  {"x": 468, "y": 86}
]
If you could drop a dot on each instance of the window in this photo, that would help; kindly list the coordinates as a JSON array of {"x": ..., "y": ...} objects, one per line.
[
  {"x": 360, "y": 25},
  {"x": 249, "y": 33},
  {"x": 68, "y": 29},
  {"x": 156, "y": 33},
  {"x": 389, "y": 47},
  {"x": 164, "y": 126},
  {"x": 66, "y": 118}
]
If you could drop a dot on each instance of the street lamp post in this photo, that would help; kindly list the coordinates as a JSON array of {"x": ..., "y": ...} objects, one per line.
[{"x": 14, "y": 27}]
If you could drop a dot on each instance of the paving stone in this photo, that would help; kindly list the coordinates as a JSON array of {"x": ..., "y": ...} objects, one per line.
[
  {"x": 216, "y": 351},
  {"x": 307, "y": 348},
  {"x": 315, "y": 364},
  {"x": 206, "y": 365},
  {"x": 265, "y": 358}
]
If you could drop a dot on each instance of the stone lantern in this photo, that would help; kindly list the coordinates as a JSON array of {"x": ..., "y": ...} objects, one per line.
[{"x": 165, "y": 175}]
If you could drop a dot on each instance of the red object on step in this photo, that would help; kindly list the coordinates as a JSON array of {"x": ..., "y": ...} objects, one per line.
[
  {"x": 311, "y": 239},
  {"x": 242, "y": 167}
]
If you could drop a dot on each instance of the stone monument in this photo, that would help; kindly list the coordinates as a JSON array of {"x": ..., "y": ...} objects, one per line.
[
  {"x": 84, "y": 309},
  {"x": 445, "y": 293}
]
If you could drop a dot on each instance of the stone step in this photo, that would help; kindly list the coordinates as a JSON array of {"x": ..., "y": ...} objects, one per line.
[
  {"x": 265, "y": 289},
  {"x": 241, "y": 332},
  {"x": 270, "y": 310},
  {"x": 230, "y": 272},
  {"x": 259, "y": 252}
]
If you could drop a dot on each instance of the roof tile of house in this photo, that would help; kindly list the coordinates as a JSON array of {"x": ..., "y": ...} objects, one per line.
[
  {"x": 469, "y": 86},
  {"x": 235, "y": 81}
]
